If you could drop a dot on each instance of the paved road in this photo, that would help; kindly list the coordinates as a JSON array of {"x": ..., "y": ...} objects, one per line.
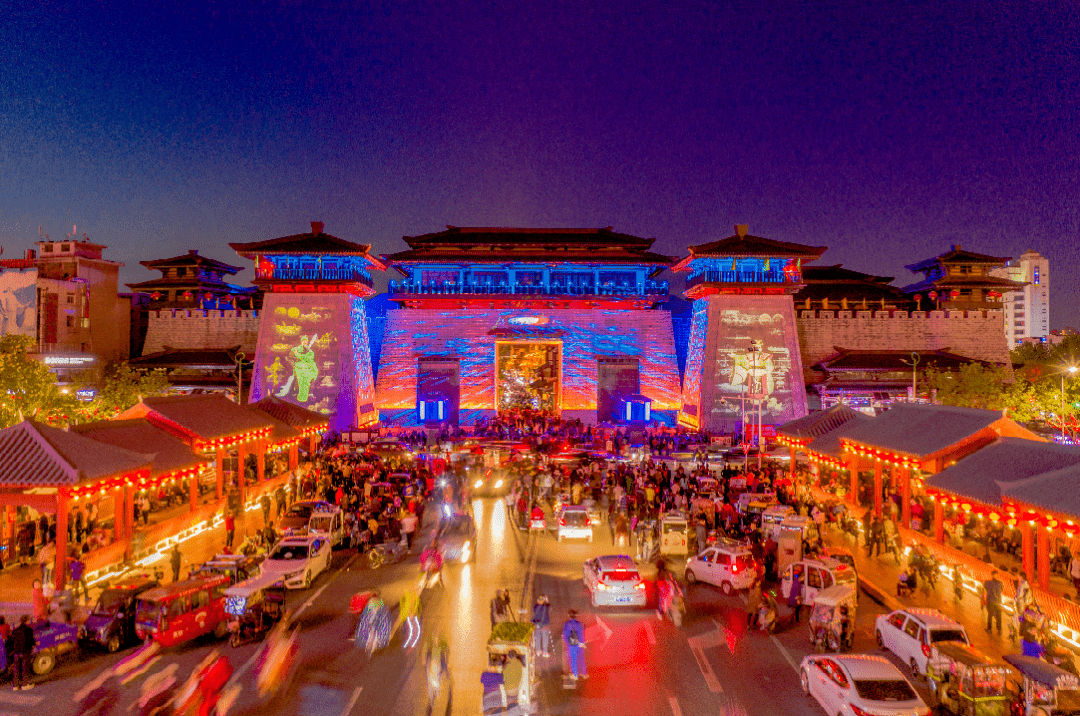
[{"x": 637, "y": 664}]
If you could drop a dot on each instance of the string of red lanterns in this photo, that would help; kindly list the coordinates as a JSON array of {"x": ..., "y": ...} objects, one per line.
[
  {"x": 232, "y": 439},
  {"x": 892, "y": 458}
]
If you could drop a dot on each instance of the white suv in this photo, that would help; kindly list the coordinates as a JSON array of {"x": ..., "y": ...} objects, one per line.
[
  {"x": 727, "y": 564},
  {"x": 912, "y": 632},
  {"x": 574, "y": 523}
]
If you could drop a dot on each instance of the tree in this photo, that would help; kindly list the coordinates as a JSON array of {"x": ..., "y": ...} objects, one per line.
[
  {"x": 120, "y": 388},
  {"x": 973, "y": 385},
  {"x": 27, "y": 388}
]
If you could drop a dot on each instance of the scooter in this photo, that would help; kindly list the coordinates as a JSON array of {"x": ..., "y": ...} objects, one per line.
[
  {"x": 387, "y": 553},
  {"x": 676, "y": 609}
]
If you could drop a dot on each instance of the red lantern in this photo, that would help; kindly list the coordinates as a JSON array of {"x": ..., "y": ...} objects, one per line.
[
  {"x": 933, "y": 295},
  {"x": 187, "y": 294},
  {"x": 954, "y": 293},
  {"x": 155, "y": 295},
  {"x": 918, "y": 297},
  {"x": 208, "y": 295}
]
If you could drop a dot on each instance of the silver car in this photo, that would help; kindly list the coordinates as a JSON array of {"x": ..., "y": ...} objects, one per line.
[{"x": 614, "y": 581}]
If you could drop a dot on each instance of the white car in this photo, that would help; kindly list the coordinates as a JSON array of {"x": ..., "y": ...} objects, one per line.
[
  {"x": 728, "y": 565},
  {"x": 912, "y": 632},
  {"x": 614, "y": 580},
  {"x": 329, "y": 523},
  {"x": 859, "y": 685},
  {"x": 574, "y": 523},
  {"x": 298, "y": 560}
]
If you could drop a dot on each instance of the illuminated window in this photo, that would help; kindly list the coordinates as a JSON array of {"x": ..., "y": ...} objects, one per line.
[{"x": 1036, "y": 275}]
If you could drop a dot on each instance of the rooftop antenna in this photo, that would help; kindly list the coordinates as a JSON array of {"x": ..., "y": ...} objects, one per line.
[{"x": 41, "y": 233}]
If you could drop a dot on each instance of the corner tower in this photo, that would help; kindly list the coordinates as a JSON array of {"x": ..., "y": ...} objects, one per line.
[
  {"x": 744, "y": 344},
  {"x": 313, "y": 336}
]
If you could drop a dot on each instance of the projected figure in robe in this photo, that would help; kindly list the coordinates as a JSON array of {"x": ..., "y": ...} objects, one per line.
[
  {"x": 754, "y": 369},
  {"x": 305, "y": 370}
]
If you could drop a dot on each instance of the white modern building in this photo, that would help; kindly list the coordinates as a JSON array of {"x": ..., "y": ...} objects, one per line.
[{"x": 1027, "y": 311}]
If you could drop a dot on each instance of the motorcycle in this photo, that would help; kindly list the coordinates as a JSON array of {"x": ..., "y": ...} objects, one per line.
[
  {"x": 387, "y": 553},
  {"x": 958, "y": 582},
  {"x": 927, "y": 566},
  {"x": 677, "y": 609}
]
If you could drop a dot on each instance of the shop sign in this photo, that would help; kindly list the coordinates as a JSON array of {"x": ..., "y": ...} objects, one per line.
[
  {"x": 86, "y": 394},
  {"x": 68, "y": 360}
]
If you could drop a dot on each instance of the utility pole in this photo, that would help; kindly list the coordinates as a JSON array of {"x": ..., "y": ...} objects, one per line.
[{"x": 239, "y": 360}]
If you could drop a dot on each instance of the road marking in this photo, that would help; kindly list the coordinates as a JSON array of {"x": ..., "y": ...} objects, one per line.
[
  {"x": 352, "y": 701},
  {"x": 675, "y": 709},
  {"x": 311, "y": 599},
  {"x": 649, "y": 634},
  {"x": 706, "y": 670},
  {"x": 784, "y": 652}
]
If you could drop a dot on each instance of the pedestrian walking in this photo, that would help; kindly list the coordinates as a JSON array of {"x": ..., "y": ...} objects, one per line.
[
  {"x": 500, "y": 608},
  {"x": 992, "y": 588},
  {"x": 264, "y": 503},
  {"x": 230, "y": 529},
  {"x": 753, "y": 602},
  {"x": 41, "y": 604},
  {"x": 47, "y": 561},
  {"x": 22, "y": 646},
  {"x": 77, "y": 573},
  {"x": 573, "y": 635},
  {"x": 795, "y": 596},
  {"x": 408, "y": 528},
  {"x": 175, "y": 560},
  {"x": 541, "y": 619}
]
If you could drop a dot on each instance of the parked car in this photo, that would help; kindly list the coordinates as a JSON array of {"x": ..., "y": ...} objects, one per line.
[
  {"x": 728, "y": 564},
  {"x": 111, "y": 622},
  {"x": 912, "y": 632},
  {"x": 614, "y": 580},
  {"x": 574, "y": 523},
  {"x": 299, "y": 514},
  {"x": 816, "y": 574},
  {"x": 859, "y": 684},
  {"x": 183, "y": 611},
  {"x": 298, "y": 560},
  {"x": 329, "y": 524}
]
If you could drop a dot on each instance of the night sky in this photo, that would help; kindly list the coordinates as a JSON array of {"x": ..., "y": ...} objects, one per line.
[{"x": 884, "y": 130}]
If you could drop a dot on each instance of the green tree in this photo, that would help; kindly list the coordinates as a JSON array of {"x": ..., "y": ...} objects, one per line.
[
  {"x": 974, "y": 385},
  {"x": 27, "y": 388},
  {"x": 120, "y": 388}
]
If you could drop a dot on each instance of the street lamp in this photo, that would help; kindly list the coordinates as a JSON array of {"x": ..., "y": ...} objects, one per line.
[
  {"x": 1072, "y": 371},
  {"x": 914, "y": 363},
  {"x": 239, "y": 360}
]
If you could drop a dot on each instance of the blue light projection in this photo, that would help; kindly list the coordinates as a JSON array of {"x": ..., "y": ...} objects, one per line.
[{"x": 695, "y": 360}]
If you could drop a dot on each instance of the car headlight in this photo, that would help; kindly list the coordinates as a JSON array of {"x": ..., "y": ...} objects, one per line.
[
  {"x": 478, "y": 484},
  {"x": 294, "y": 575},
  {"x": 466, "y": 551},
  {"x": 498, "y": 484}
]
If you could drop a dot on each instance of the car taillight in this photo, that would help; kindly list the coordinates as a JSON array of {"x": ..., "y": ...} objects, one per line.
[
  {"x": 858, "y": 711},
  {"x": 735, "y": 569},
  {"x": 926, "y": 650},
  {"x": 639, "y": 585},
  {"x": 562, "y": 521}
]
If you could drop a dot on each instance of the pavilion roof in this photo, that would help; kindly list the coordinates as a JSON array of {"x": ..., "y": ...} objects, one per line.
[
  {"x": 830, "y": 444},
  {"x": 957, "y": 255},
  {"x": 313, "y": 243},
  {"x": 1000, "y": 466},
  {"x": 755, "y": 246},
  {"x": 923, "y": 430},
  {"x": 169, "y": 453},
  {"x": 192, "y": 258},
  {"x": 1053, "y": 491},
  {"x": 202, "y": 417},
  {"x": 294, "y": 415},
  {"x": 846, "y": 359},
  {"x": 819, "y": 422},
  {"x": 191, "y": 358},
  {"x": 32, "y": 454}
]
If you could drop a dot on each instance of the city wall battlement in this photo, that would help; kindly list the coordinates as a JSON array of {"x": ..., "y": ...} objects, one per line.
[
  {"x": 975, "y": 334},
  {"x": 196, "y": 328}
]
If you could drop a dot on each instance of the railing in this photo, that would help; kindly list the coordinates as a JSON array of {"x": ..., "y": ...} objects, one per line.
[
  {"x": 651, "y": 288},
  {"x": 314, "y": 274},
  {"x": 741, "y": 277}
]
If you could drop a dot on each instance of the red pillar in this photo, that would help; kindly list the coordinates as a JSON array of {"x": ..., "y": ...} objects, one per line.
[
  {"x": 939, "y": 522},
  {"x": 193, "y": 490},
  {"x": 129, "y": 519},
  {"x": 791, "y": 451},
  {"x": 63, "y": 507},
  {"x": 877, "y": 488},
  {"x": 905, "y": 496},
  {"x": 9, "y": 511},
  {"x": 853, "y": 469},
  {"x": 220, "y": 457},
  {"x": 1042, "y": 555},
  {"x": 118, "y": 512},
  {"x": 260, "y": 460},
  {"x": 294, "y": 456},
  {"x": 241, "y": 483},
  {"x": 312, "y": 442},
  {"x": 1026, "y": 531}
]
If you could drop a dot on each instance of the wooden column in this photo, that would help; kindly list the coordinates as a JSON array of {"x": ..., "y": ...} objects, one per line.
[
  {"x": 853, "y": 469},
  {"x": 129, "y": 519},
  {"x": 63, "y": 507},
  {"x": 193, "y": 490},
  {"x": 939, "y": 522},
  {"x": 294, "y": 456},
  {"x": 1028, "y": 542},
  {"x": 220, "y": 456},
  {"x": 260, "y": 460},
  {"x": 791, "y": 451},
  {"x": 1042, "y": 556},
  {"x": 241, "y": 482},
  {"x": 119, "y": 513},
  {"x": 877, "y": 488},
  {"x": 9, "y": 525},
  {"x": 312, "y": 442},
  {"x": 905, "y": 496}
]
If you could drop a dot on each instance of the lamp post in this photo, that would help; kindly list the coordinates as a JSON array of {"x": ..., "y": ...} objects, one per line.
[
  {"x": 914, "y": 363},
  {"x": 1072, "y": 371},
  {"x": 239, "y": 360}
]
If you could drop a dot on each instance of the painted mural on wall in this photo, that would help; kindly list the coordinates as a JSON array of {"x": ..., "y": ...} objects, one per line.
[
  {"x": 18, "y": 303},
  {"x": 306, "y": 354}
]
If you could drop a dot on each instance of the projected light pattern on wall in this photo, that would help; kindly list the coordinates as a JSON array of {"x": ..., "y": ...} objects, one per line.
[
  {"x": 467, "y": 334},
  {"x": 364, "y": 379},
  {"x": 695, "y": 360}
]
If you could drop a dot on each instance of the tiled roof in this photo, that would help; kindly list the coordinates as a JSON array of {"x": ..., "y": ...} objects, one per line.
[
  {"x": 957, "y": 255},
  {"x": 505, "y": 236},
  {"x": 313, "y": 242},
  {"x": 838, "y": 274},
  {"x": 169, "y": 453},
  {"x": 757, "y": 246},
  {"x": 1055, "y": 491},
  {"x": 288, "y": 413},
  {"x": 993, "y": 282},
  {"x": 818, "y": 422},
  {"x": 922, "y": 430},
  {"x": 207, "y": 417},
  {"x": 193, "y": 358},
  {"x": 192, "y": 258},
  {"x": 281, "y": 431},
  {"x": 1006, "y": 463},
  {"x": 38, "y": 455},
  {"x": 892, "y": 361},
  {"x": 830, "y": 443}
]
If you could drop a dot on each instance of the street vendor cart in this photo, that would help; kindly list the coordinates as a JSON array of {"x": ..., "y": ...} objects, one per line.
[
  {"x": 966, "y": 682},
  {"x": 1048, "y": 690},
  {"x": 254, "y": 606},
  {"x": 832, "y": 620},
  {"x": 513, "y": 641},
  {"x": 674, "y": 534}
]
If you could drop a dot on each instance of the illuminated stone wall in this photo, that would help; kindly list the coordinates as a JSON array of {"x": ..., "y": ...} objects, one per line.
[
  {"x": 586, "y": 335},
  {"x": 314, "y": 351},
  {"x": 720, "y": 368}
]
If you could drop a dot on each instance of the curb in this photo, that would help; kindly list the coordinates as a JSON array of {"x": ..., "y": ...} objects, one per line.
[{"x": 879, "y": 595}]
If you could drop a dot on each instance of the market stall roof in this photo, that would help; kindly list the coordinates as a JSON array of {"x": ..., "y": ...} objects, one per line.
[
  {"x": 199, "y": 417},
  {"x": 819, "y": 422},
  {"x": 170, "y": 454},
  {"x": 32, "y": 454},
  {"x": 281, "y": 432},
  {"x": 924, "y": 431},
  {"x": 830, "y": 443},
  {"x": 1053, "y": 491},
  {"x": 290, "y": 414}
]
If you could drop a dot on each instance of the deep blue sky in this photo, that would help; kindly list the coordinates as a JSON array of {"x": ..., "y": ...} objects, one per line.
[{"x": 884, "y": 130}]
